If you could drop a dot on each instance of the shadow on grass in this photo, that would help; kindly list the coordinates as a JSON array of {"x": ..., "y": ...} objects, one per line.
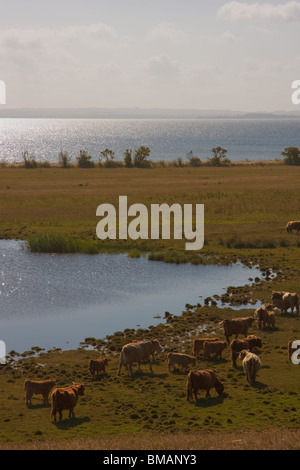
[
  {"x": 69, "y": 423},
  {"x": 144, "y": 374},
  {"x": 215, "y": 360},
  {"x": 38, "y": 406},
  {"x": 212, "y": 401}
]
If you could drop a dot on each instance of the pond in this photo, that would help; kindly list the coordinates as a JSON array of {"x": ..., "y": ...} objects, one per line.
[{"x": 51, "y": 300}]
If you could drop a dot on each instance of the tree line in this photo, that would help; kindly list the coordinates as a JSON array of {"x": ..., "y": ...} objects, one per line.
[{"x": 140, "y": 159}]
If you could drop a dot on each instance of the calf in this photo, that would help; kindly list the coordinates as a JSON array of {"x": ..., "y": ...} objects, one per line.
[
  {"x": 198, "y": 344},
  {"x": 214, "y": 347},
  {"x": 38, "y": 387},
  {"x": 182, "y": 360},
  {"x": 97, "y": 365},
  {"x": 65, "y": 399}
]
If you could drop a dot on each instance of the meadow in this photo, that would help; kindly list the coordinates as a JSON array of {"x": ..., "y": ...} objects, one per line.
[{"x": 246, "y": 210}]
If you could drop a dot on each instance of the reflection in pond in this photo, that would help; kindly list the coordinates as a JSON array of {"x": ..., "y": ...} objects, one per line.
[{"x": 50, "y": 300}]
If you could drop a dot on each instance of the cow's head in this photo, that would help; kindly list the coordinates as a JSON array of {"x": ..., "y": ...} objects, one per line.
[
  {"x": 219, "y": 387},
  {"x": 156, "y": 346}
]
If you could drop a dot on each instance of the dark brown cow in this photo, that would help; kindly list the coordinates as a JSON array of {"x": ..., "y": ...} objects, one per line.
[
  {"x": 214, "y": 347},
  {"x": 65, "y": 399},
  {"x": 237, "y": 345},
  {"x": 138, "y": 351},
  {"x": 198, "y": 344},
  {"x": 38, "y": 387},
  {"x": 293, "y": 225},
  {"x": 204, "y": 379},
  {"x": 236, "y": 326},
  {"x": 97, "y": 365}
]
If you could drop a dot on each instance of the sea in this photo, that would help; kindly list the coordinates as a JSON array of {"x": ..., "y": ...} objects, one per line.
[{"x": 167, "y": 139}]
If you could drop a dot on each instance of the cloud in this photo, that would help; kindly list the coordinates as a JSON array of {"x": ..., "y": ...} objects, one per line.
[
  {"x": 236, "y": 11},
  {"x": 167, "y": 32},
  {"x": 162, "y": 65}
]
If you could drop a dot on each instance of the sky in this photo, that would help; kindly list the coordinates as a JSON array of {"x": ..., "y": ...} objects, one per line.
[{"x": 139, "y": 54}]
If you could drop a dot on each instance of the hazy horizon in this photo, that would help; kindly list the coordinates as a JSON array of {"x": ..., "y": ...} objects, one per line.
[{"x": 217, "y": 55}]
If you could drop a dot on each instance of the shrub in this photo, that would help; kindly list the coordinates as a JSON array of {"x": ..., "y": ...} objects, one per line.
[
  {"x": 84, "y": 160},
  {"x": 193, "y": 161},
  {"x": 128, "y": 158},
  {"x": 140, "y": 157},
  {"x": 64, "y": 159},
  {"x": 29, "y": 161},
  {"x": 219, "y": 158},
  {"x": 109, "y": 161},
  {"x": 291, "y": 155}
]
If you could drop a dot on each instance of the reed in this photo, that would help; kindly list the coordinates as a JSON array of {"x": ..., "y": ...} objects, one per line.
[{"x": 52, "y": 242}]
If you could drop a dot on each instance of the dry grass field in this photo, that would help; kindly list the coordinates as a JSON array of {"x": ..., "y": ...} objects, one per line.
[{"x": 246, "y": 210}]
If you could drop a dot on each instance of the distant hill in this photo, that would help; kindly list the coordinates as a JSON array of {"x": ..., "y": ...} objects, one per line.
[{"x": 138, "y": 113}]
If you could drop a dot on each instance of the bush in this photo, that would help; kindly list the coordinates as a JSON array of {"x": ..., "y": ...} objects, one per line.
[
  {"x": 109, "y": 161},
  {"x": 64, "y": 159},
  {"x": 84, "y": 160},
  {"x": 29, "y": 161},
  {"x": 140, "y": 157},
  {"x": 219, "y": 158},
  {"x": 128, "y": 158},
  {"x": 291, "y": 156},
  {"x": 193, "y": 161}
]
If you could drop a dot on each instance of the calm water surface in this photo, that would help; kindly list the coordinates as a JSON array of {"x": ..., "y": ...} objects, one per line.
[
  {"x": 59, "y": 300},
  {"x": 168, "y": 139}
]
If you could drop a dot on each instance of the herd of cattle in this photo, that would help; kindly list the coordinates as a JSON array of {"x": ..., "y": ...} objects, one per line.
[{"x": 139, "y": 351}]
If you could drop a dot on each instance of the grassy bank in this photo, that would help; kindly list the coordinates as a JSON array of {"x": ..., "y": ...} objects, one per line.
[
  {"x": 155, "y": 404},
  {"x": 246, "y": 209}
]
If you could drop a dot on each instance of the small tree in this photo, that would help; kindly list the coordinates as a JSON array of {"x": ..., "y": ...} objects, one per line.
[
  {"x": 29, "y": 160},
  {"x": 219, "y": 158},
  {"x": 140, "y": 157},
  {"x": 193, "y": 161},
  {"x": 64, "y": 159},
  {"x": 291, "y": 156},
  {"x": 108, "y": 156},
  {"x": 84, "y": 160},
  {"x": 128, "y": 158}
]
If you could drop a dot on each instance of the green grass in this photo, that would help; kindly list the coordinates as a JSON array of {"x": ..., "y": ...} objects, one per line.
[
  {"x": 155, "y": 403},
  {"x": 246, "y": 209},
  {"x": 52, "y": 242}
]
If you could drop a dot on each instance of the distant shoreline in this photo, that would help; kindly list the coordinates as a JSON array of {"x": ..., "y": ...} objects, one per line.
[{"x": 139, "y": 113}]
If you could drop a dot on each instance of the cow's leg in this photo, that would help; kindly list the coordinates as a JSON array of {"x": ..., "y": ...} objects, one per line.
[
  {"x": 53, "y": 414},
  {"x": 60, "y": 414},
  {"x": 207, "y": 394},
  {"x": 150, "y": 365}
]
